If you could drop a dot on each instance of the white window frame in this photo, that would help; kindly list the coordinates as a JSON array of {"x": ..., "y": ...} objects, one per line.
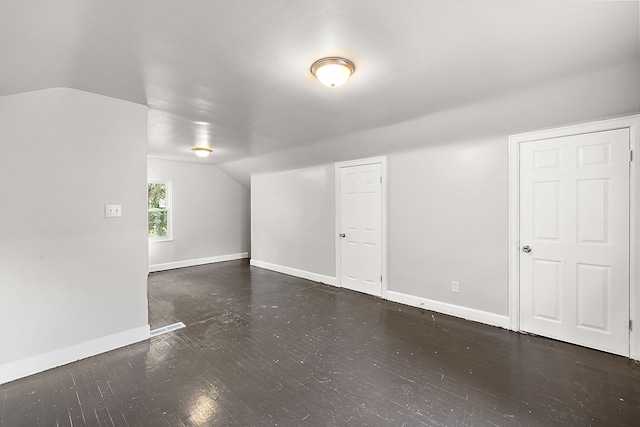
[{"x": 168, "y": 209}]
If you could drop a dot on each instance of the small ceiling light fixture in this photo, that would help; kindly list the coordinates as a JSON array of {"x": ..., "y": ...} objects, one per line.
[
  {"x": 333, "y": 71},
  {"x": 202, "y": 151}
]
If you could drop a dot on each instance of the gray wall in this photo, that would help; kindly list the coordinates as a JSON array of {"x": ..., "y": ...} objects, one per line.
[
  {"x": 292, "y": 219},
  {"x": 69, "y": 275},
  {"x": 447, "y": 220},
  {"x": 210, "y": 213}
]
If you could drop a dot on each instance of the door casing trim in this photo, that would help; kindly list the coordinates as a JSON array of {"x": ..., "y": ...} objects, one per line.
[
  {"x": 383, "y": 170},
  {"x": 633, "y": 124}
]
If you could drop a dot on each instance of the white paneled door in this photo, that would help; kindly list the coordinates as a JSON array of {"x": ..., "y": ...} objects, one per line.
[
  {"x": 574, "y": 239},
  {"x": 361, "y": 228}
]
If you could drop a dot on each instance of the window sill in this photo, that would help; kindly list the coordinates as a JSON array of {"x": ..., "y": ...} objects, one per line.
[{"x": 161, "y": 240}]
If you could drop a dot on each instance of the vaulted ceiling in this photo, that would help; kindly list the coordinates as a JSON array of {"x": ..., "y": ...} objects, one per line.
[{"x": 235, "y": 74}]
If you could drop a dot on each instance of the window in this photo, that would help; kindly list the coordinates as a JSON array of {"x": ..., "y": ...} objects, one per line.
[{"x": 159, "y": 210}]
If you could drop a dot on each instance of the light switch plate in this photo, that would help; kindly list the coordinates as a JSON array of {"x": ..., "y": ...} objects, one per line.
[{"x": 112, "y": 211}]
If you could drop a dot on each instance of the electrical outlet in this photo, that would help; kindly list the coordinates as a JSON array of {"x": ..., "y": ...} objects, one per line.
[{"x": 455, "y": 287}]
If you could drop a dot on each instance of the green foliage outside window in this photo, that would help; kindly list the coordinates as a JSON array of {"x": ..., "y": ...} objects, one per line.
[{"x": 158, "y": 215}]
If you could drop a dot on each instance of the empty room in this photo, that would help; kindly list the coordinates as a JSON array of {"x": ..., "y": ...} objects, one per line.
[{"x": 322, "y": 213}]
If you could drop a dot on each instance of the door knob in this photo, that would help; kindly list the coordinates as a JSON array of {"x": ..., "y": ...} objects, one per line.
[
  {"x": 526, "y": 249},
  {"x": 343, "y": 235}
]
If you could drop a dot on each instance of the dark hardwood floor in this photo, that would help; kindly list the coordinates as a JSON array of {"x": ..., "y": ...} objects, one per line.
[{"x": 265, "y": 349}]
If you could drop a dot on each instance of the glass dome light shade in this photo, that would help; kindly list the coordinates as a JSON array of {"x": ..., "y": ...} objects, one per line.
[
  {"x": 202, "y": 151},
  {"x": 333, "y": 71}
]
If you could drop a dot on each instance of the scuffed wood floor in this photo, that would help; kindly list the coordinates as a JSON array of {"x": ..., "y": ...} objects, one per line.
[{"x": 266, "y": 349}]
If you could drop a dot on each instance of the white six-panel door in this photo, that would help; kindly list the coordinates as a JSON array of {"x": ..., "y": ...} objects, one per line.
[
  {"x": 361, "y": 228},
  {"x": 574, "y": 239}
]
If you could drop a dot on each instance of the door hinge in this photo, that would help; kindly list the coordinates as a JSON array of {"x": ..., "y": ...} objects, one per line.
[
  {"x": 380, "y": 180},
  {"x": 631, "y": 325},
  {"x": 631, "y": 155},
  {"x": 380, "y": 279}
]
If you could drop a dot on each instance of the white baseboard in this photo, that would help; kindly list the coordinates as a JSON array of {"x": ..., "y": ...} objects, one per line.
[
  {"x": 450, "y": 309},
  {"x": 414, "y": 301},
  {"x": 32, "y": 365},
  {"x": 327, "y": 280},
  {"x": 197, "y": 261}
]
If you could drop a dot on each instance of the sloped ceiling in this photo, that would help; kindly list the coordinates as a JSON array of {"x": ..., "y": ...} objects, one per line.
[{"x": 235, "y": 74}]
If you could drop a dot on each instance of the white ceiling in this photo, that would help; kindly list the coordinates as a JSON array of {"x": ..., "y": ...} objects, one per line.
[{"x": 235, "y": 74}]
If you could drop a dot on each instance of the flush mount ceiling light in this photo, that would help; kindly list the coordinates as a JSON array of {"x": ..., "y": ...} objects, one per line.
[
  {"x": 332, "y": 71},
  {"x": 202, "y": 151}
]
